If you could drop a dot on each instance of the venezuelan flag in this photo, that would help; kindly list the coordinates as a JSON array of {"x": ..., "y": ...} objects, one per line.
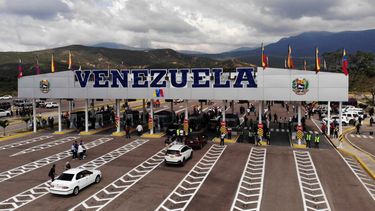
[
  {"x": 264, "y": 58},
  {"x": 52, "y": 64},
  {"x": 345, "y": 63},
  {"x": 317, "y": 60}
]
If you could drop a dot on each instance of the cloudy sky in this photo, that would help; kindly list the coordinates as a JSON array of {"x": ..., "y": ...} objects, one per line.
[{"x": 199, "y": 25}]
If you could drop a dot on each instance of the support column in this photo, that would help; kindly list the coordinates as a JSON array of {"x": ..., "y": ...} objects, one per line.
[
  {"x": 223, "y": 112},
  {"x": 260, "y": 112},
  {"x": 34, "y": 116},
  {"x": 151, "y": 125},
  {"x": 340, "y": 118},
  {"x": 232, "y": 106},
  {"x": 186, "y": 119},
  {"x": 118, "y": 118},
  {"x": 299, "y": 114},
  {"x": 172, "y": 106},
  {"x": 59, "y": 114},
  {"x": 70, "y": 108},
  {"x": 144, "y": 111},
  {"x": 329, "y": 118},
  {"x": 87, "y": 115}
]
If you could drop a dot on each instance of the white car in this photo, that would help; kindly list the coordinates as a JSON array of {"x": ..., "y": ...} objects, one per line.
[
  {"x": 4, "y": 113},
  {"x": 74, "y": 180},
  {"x": 178, "y": 154},
  {"x": 6, "y": 97},
  {"x": 51, "y": 105},
  {"x": 345, "y": 121}
]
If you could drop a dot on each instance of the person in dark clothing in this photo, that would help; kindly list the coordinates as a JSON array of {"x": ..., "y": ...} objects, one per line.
[
  {"x": 127, "y": 130},
  {"x": 222, "y": 137},
  {"x": 67, "y": 165},
  {"x": 52, "y": 172}
]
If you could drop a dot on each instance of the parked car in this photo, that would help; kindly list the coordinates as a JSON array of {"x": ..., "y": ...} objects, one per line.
[
  {"x": 6, "y": 97},
  {"x": 4, "y": 113},
  {"x": 178, "y": 154},
  {"x": 334, "y": 118},
  {"x": 196, "y": 140},
  {"x": 74, "y": 180},
  {"x": 51, "y": 105},
  {"x": 178, "y": 101}
]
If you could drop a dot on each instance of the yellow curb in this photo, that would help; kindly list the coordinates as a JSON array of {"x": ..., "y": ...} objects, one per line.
[
  {"x": 118, "y": 134},
  {"x": 233, "y": 140},
  {"x": 92, "y": 132},
  {"x": 263, "y": 143},
  {"x": 16, "y": 136},
  {"x": 155, "y": 135},
  {"x": 299, "y": 146},
  {"x": 64, "y": 132},
  {"x": 360, "y": 162}
]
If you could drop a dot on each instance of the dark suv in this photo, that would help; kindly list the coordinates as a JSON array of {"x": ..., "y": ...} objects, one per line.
[{"x": 196, "y": 140}]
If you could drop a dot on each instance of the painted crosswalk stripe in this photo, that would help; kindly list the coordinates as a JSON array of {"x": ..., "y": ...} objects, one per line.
[
  {"x": 271, "y": 129},
  {"x": 250, "y": 188},
  {"x": 277, "y": 129},
  {"x": 6, "y": 175},
  {"x": 109, "y": 193},
  {"x": 185, "y": 191},
  {"x": 38, "y": 191},
  {"x": 28, "y": 141},
  {"x": 358, "y": 136},
  {"x": 312, "y": 192},
  {"x": 364, "y": 136},
  {"x": 371, "y": 137},
  {"x": 352, "y": 135},
  {"x": 46, "y": 145}
]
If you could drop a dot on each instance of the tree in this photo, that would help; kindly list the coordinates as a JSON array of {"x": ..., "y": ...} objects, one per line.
[{"x": 4, "y": 124}]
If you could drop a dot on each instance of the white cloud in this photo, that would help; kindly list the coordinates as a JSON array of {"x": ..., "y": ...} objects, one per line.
[{"x": 211, "y": 25}]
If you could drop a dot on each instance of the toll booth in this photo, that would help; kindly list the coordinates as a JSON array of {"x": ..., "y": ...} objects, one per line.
[
  {"x": 103, "y": 119},
  {"x": 196, "y": 122},
  {"x": 131, "y": 117},
  {"x": 163, "y": 119},
  {"x": 233, "y": 122},
  {"x": 77, "y": 120}
]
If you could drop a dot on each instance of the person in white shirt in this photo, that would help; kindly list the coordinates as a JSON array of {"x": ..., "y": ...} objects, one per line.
[
  {"x": 80, "y": 151},
  {"x": 139, "y": 129}
]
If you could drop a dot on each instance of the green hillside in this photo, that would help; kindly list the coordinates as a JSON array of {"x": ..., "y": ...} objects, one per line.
[{"x": 96, "y": 57}]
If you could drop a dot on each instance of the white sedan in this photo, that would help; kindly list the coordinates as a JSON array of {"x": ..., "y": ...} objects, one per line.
[
  {"x": 51, "y": 105},
  {"x": 74, "y": 180},
  {"x": 4, "y": 113},
  {"x": 6, "y": 97}
]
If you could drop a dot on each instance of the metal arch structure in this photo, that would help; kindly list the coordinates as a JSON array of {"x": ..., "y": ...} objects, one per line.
[{"x": 271, "y": 84}]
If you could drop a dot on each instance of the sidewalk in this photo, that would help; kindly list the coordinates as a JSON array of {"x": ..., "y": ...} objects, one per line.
[{"x": 364, "y": 159}]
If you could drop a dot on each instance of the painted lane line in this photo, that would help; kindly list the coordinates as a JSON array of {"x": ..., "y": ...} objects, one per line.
[
  {"x": 109, "y": 193},
  {"x": 361, "y": 175},
  {"x": 185, "y": 191},
  {"x": 313, "y": 195},
  {"x": 38, "y": 191},
  {"x": 46, "y": 145},
  {"x": 245, "y": 198},
  {"x": 28, "y": 141},
  {"x": 6, "y": 175}
]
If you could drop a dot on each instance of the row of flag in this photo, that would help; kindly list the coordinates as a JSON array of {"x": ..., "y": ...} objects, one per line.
[
  {"x": 290, "y": 65},
  {"x": 288, "y": 62},
  {"x": 37, "y": 68}
]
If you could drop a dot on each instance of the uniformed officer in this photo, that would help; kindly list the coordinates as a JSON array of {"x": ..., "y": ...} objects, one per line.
[
  {"x": 317, "y": 140},
  {"x": 308, "y": 139}
]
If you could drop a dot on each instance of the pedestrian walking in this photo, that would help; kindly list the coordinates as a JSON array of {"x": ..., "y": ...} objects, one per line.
[
  {"x": 127, "y": 131},
  {"x": 67, "y": 165},
  {"x": 268, "y": 137},
  {"x": 317, "y": 140},
  {"x": 80, "y": 151},
  {"x": 358, "y": 127},
  {"x": 74, "y": 151},
  {"x": 222, "y": 137},
  {"x": 308, "y": 138},
  {"x": 52, "y": 173}
]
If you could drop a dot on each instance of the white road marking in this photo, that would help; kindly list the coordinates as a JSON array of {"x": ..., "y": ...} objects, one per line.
[
  {"x": 38, "y": 191},
  {"x": 312, "y": 192},
  {"x": 352, "y": 135},
  {"x": 364, "y": 136},
  {"x": 28, "y": 141},
  {"x": 109, "y": 193},
  {"x": 361, "y": 175},
  {"x": 250, "y": 188},
  {"x": 185, "y": 191},
  {"x": 371, "y": 137},
  {"x": 271, "y": 129},
  {"x": 45, "y": 161},
  {"x": 46, "y": 145}
]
